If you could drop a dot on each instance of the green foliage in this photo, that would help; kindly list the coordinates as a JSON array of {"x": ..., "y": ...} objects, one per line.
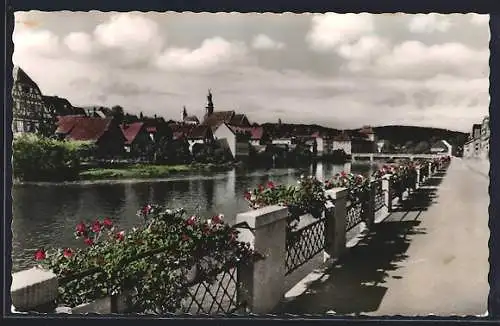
[
  {"x": 151, "y": 262},
  {"x": 42, "y": 159}
]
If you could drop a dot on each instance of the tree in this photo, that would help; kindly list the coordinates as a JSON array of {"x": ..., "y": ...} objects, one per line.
[
  {"x": 118, "y": 113},
  {"x": 422, "y": 148}
]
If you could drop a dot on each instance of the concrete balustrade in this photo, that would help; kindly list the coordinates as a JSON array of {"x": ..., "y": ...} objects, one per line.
[{"x": 262, "y": 283}]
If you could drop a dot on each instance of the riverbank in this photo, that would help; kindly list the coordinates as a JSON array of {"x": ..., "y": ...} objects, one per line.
[
  {"x": 141, "y": 171},
  {"x": 144, "y": 171}
]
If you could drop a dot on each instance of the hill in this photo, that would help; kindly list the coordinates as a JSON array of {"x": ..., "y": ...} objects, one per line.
[{"x": 411, "y": 136}]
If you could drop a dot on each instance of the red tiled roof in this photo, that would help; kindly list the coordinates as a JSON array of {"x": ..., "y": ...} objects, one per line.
[
  {"x": 130, "y": 131},
  {"x": 83, "y": 128},
  {"x": 256, "y": 133},
  {"x": 239, "y": 120},
  {"x": 66, "y": 123},
  {"x": 180, "y": 130}
]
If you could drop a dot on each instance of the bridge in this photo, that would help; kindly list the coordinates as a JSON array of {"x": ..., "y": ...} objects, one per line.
[{"x": 388, "y": 156}]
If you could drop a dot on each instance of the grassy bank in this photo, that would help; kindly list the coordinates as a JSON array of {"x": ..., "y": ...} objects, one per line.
[{"x": 141, "y": 171}]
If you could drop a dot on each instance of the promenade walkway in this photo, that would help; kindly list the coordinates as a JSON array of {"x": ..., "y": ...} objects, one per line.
[{"x": 428, "y": 257}]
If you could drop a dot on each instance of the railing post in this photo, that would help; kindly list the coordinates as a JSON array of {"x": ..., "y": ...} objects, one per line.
[
  {"x": 262, "y": 282},
  {"x": 387, "y": 189},
  {"x": 370, "y": 206},
  {"x": 34, "y": 289},
  {"x": 417, "y": 183},
  {"x": 336, "y": 230},
  {"x": 429, "y": 167}
]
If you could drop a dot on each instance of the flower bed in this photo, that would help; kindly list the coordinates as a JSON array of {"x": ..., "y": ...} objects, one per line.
[{"x": 156, "y": 263}]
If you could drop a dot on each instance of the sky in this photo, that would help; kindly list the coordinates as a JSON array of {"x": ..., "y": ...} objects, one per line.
[{"x": 337, "y": 70}]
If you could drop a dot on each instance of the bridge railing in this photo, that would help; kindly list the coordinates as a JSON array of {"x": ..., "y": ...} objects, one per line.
[{"x": 262, "y": 284}]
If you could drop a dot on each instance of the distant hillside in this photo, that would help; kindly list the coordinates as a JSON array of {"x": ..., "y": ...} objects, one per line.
[
  {"x": 288, "y": 129},
  {"x": 410, "y": 136}
]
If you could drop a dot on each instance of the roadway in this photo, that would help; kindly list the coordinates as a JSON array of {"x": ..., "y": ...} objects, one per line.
[{"x": 429, "y": 257}]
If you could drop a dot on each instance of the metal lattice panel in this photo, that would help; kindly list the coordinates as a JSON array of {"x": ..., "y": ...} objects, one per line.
[
  {"x": 354, "y": 215},
  {"x": 220, "y": 297},
  {"x": 302, "y": 245},
  {"x": 379, "y": 195}
]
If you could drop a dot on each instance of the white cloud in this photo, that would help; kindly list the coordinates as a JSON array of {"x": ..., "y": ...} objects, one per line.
[
  {"x": 79, "y": 43},
  {"x": 330, "y": 30},
  {"x": 415, "y": 59},
  {"x": 35, "y": 42},
  {"x": 264, "y": 42},
  {"x": 429, "y": 23},
  {"x": 212, "y": 53},
  {"x": 363, "y": 52},
  {"x": 481, "y": 20},
  {"x": 129, "y": 38}
]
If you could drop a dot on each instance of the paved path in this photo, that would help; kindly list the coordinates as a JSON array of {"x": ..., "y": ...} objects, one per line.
[{"x": 431, "y": 257}]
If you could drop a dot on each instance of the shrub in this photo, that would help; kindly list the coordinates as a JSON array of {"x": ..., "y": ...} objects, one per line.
[
  {"x": 149, "y": 262},
  {"x": 43, "y": 159}
]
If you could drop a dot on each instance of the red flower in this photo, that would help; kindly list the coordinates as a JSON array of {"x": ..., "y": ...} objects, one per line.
[
  {"x": 146, "y": 209},
  {"x": 40, "y": 254},
  {"x": 185, "y": 237},
  {"x": 261, "y": 188},
  {"x": 343, "y": 174},
  {"x": 270, "y": 185},
  {"x": 217, "y": 219},
  {"x": 88, "y": 241},
  {"x": 81, "y": 229},
  {"x": 107, "y": 223},
  {"x": 68, "y": 253},
  {"x": 248, "y": 195},
  {"x": 120, "y": 236},
  {"x": 96, "y": 227},
  {"x": 191, "y": 220}
]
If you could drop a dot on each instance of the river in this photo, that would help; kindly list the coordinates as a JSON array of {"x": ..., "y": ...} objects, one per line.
[{"x": 45, "y": 215}]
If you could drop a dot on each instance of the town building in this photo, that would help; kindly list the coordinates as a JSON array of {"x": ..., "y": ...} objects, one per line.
[
  {"x": 105, "y": 134},
  {"x": 342, "y": 142},
  {"x": 215, "y": 118},
  {"x": 58, "y": 106},
  {"x": 138, "y": 141},
  {"x": 29, "y": 112},
  {"x": 189, "y": 119},
  {"x": 485, "y": 138}
]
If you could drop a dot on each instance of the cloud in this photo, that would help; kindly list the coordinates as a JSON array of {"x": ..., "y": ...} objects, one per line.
[
  {"x": 264, "y": 42},
  {"x": 362, "y": 53},
  {"x": 413, "y": 59},
  {"x": 429, "y": 23},
  {"x": 480, "y": 20},
  {"x": 35, "y": 42},
  {"x": 331, "y": 30},
  {"x": 212, "y": 53},
  {"x": 79, "y": 43}
]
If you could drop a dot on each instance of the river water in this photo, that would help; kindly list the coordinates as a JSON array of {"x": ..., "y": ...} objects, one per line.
[{"x": 45, "y": 215}]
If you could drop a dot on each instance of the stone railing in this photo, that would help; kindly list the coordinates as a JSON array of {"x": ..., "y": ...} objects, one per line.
[{"x": 262, "y": 284}]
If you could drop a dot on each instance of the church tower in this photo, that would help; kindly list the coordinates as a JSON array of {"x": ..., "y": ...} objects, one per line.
[
  {"x": 184, "y": 113},
  {"x": 210, "y": 104}
]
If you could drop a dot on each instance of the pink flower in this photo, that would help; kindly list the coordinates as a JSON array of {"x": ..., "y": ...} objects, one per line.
[
  {"x": 191, "y": 220},
  {"x": 96, "y": 227},
  {"x": 247, "y": 195},
  {"x": 107, "y": 223},
  {"x": 270, "y": 185},
  {"x": 68, "y": 253},
  {"x": 146, "y": 209},
  {"x": 120, "y": 236},
  {"x": 261, "y": 188},
  {"x": 217, "y": 219},
  {"x": 81, "y": 229},
  {"x": 343, "y": 174},
  {"x": 88, "y": 241},
  {"x": 185, "y": 237},
  {"x": 40, "y": 255}
]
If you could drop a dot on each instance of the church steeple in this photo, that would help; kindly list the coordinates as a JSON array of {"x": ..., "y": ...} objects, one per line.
[
  {"x": 210, "y": 104},
  {"x": 184, "y": 113}
]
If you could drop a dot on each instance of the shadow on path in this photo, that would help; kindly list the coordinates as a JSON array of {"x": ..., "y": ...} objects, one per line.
[{"x": 356, "y": 284}]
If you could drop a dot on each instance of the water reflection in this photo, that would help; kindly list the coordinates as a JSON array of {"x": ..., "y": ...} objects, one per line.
[{"x": 45, "y": 216}]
